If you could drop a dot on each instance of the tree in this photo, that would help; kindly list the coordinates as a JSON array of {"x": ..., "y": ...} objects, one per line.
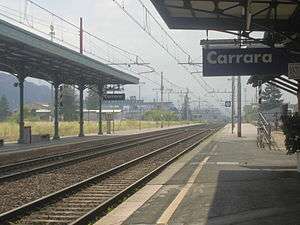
[
  {"x": 250, "y": 113},
  {"x": 92, "y": 100},
  {"x": 158, "y": 115},
  {"x": 4, "y": 108},
  {"x": 271, "y": 97},
  {"x": 69, "y": 104}
]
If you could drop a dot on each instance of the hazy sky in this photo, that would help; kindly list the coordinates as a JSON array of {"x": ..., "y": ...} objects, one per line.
[{"x": 104, "y": 19}]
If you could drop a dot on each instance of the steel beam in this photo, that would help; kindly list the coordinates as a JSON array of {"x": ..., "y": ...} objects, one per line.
[
  {"x": 56, "y": 109},
  {"x": 239, "y": 107},
  {"x": 21, "y": 105},
  {"x": 100, "y": 93},
  {"x": 283, "y": 88},
  {"x": 81, "y": 119},
  {"x": 232, "y": 103},
  {"x": 286, "y": 85}
]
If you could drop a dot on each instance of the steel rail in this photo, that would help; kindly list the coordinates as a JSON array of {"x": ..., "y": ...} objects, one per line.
[
  {"x": 101, "y": 209},
  {"x": 70, "y": 153},
  {"x": 133, "y": 137},
  {"x": 78, "y": 157},
  {"x": 55, "y": 197}
]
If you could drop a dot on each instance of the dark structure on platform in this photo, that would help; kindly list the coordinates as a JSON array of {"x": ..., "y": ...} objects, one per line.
[
  {"x": 278, "y": 19},
  {"x": 24, "y": 54}
]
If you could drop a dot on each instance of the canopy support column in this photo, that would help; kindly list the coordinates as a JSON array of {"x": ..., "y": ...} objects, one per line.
[
  {"x": 21, "y": 105},
  {"x": 81, "y": 119},
  {"x": 239, "y": 107},
  {"x": 100, "y": 92},
  {"x": 298, "y": 96},
  {"x": 56, "y": 109}
]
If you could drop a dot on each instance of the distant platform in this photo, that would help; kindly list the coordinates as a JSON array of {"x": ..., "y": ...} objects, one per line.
[
  {"x": 14, "y": 147},
  {"x": 225, "y": 180}
]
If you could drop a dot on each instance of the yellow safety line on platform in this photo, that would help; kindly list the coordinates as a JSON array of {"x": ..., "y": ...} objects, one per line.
[{"x": 167, "y": 214}]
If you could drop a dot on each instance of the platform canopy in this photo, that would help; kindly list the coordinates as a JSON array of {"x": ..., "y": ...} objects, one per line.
[
  {"x": 278, "y": 19},
  {"x": 34, "y": 56},
  {"x": 254, "y": 15}
]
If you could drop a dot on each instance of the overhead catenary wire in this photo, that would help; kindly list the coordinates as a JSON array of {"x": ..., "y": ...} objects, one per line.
[
  {"x": 62, "y": 25},
  {"x": 205, "y": 86},
  {"x": 136, "y": 57}
]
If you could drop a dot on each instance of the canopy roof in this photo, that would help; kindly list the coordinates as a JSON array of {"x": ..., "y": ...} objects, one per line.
[
  {"x": 24, "y": 52},
  {"x": 260, "y": 15},
  {"x": 279, "y": 19}
]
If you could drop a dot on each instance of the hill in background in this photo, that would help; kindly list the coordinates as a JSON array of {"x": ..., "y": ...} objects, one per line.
[{"x": 34, "y": 93}]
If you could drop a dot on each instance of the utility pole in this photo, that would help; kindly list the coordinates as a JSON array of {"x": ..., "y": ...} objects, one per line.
[
  {"x": 161, "y": 97},
  {"x": 186, "y": 105},
  {"x": 232, "y": 103},
  {"x": 239, "y": 101},
  {"x": 140, "y": 106},
  {"x": 52, "y": 36},
  {"x": 245, "y": 93},
  {"x": 239, "y": 107}
]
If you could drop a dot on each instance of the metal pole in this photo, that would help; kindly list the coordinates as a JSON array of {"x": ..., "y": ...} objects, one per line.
[
  {"x": 100, "y": 92},
  {"x": 81, "y": 36},
  {"x": 140, "y": 109},
  {"x": 298, "y": 96},
  {"x": 232, "y": 102},
  {"x": 81, "y": 87},
  {"x": 81, "y": 119},
  {"x": 187, "y": 106},
  {"x": 52, "y": 102},
  {"x": 56, "y": 122},
  {"x": 239, "y": 107},
  {"x": 239, "y": 99},
  {"x": 161, "y": 98},
  {"x": 113, "y": 112},
  {"x": 21, "y": 118}
]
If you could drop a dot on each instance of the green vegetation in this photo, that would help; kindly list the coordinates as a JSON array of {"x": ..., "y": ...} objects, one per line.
[
  {"x": 4, "y": 108},
  {"x": 69, "y": 105},
  {"x": 92, "y": 100},
  {"x": 158, "y": 115},
  {"x": 250, "y": 113},
  {"x": 9, "y": 130},
  {"x": 271, "y": 97}
]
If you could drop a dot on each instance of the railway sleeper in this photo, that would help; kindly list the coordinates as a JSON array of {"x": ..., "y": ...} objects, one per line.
[
  {"x": 48, "y": 222},
  {"x": 62, "y": 212}
]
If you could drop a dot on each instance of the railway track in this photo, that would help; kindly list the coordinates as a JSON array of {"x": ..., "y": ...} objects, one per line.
[
  {"x": 18, "y": 157},
  {"x": 18, "y": 192},
  {"x": 82, "y": 202},
  {"x": 32, "y": 166}
]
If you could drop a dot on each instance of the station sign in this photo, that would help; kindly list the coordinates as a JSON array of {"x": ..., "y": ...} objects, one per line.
[
  {"x": 114, "y": 97},
  {"x": 244, "y": 61},
  {"x": 228, "y": 104}
]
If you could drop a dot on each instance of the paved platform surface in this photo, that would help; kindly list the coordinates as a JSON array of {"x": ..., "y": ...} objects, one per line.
[
  {"x": 225, "y": 180},
  {"x": 15, "y": 147}
]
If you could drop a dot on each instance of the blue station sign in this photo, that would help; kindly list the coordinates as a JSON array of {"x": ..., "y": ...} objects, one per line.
[{"x": 244, "y": 61}]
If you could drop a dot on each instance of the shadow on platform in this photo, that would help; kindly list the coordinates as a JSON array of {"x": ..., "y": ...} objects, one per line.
[{"x": 256, "y": 197}]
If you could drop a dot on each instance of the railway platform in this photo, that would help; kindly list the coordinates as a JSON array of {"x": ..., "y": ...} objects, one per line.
[
  {"x": 225, "y": 180},
  {"x": 71, "y": 141}
]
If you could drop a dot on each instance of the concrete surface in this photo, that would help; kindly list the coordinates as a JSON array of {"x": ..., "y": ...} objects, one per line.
[{"x": 225, "y": 180}]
